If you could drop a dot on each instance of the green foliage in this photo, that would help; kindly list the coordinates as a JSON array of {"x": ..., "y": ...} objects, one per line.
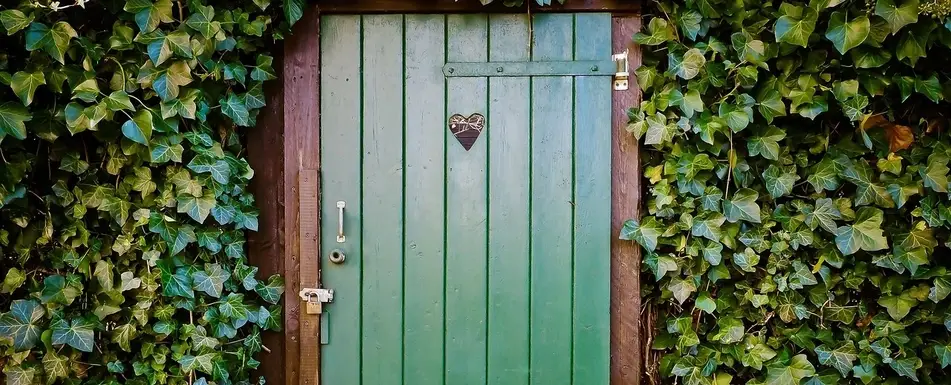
[
  {"x": 124, "y": 190},
  {"x": 798, "y": 213}
]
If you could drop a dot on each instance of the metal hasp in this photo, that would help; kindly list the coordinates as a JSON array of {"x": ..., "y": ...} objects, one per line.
[
  {"x": 622, "y": 74},
  {"x": 340, "y": 237},
  {"x": 316, "y": 298}
]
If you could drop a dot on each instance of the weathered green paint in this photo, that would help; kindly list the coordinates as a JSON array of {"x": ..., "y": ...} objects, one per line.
[
  {"x": 529, "y": 68},
  {"x": 487, "y": 266},
  {"x": 425, "y": 192},
  {"x": 551, "y": 217},
  {"x": 466, "y": 214},
  {"x": 592, "y": 203},
  {"x": 509, "y": 178},
  {"x": 382, "y": 199},
  {"x": 341, "y": 146}
]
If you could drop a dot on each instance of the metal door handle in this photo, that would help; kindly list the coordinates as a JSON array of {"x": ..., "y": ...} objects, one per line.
[{"x": 340, "y": 237}]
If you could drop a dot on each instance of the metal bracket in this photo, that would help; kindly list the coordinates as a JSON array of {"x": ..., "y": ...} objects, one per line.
[
  {"x": 529, "y": 68},
  {"x": 622, "y": 73}
]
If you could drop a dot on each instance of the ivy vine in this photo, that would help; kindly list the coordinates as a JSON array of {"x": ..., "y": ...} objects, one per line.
[
  {"x": 124, "y": 190},
  {"x": 798, "y": 204}
]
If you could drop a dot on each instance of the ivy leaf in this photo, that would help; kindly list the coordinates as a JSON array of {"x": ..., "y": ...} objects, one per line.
[
  {"x": 897, "y": 16},
  {"x": 935, "y": 175},
  {"x": 930, "y": 87},
  {"x": 771, "y": 106},
  {"x": 21, "y": 324},
  {"x": 263, "y": 69},
  {"x": 907, "y": 367},
  {"x": 54, "y": 41},
  {"x": 294, "y": 10},
  {"x": 708, "y": 225},
  {"x": 847, "y": 34},
  {"x": 645, "y": 233},
  {"x": 681, "y": 289},
  {"x": 780, "y": 373},
  {"x": 840, "y": 358},
  {"x": 12, "y": 280},
  {"x": 824, "y": 176},
  {"x": 78, "y": 333},
  {"x": 766, "y": 144},
  {"x": 24, "y": 85},
  {"x": 865, "y": 234},
  {"x": 688, "y": 65},
  {"x": 211, "y": 280},
  {"x": 779, "y": 182},
  {"x": 234, "y": 107},
  {"x": 197, "y": 208},
  {"x": 18, "y": 375},
  {"x": 139, "y": 128},
  {"x": 898, "y": 306},
  {"x": 271, "y": 291},
  {"x": 203, "y": 21},
  {"x": 944, "y": 354},
  {"x": 868, "y": 57},
  {"x": 658, "y": 32},
  {"x": 202, "y": 362},
  {"x": 219, "y": 169},
  {"x": 12, "y": 120},
  {"x": 149, "y": 15},
  {"x": 743, "y": 206},
  {"x": 14, "y": 20},
  {"x": 175, "y": 282},
  {"x": 796, "y": 28},
  {"x": 913, "y": 46},
  {"x": 55, "y": 366}
]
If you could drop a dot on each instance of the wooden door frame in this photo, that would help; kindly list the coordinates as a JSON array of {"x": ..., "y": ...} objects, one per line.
[{"x": 284, "y": 150}]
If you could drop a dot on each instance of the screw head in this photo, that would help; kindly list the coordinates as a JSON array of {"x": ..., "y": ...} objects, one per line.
[
  {"x": 451, "y": 70},
  {"x": 594, "y": 69},
  {"x": 500, "y": 69}
]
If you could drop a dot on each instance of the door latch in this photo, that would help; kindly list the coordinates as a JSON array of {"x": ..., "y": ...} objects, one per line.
[
  {"x": 316, "y": 298},
  {"x": 622, "y": 74}
]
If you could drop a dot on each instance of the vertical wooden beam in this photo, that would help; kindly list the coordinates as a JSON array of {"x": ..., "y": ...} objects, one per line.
[
  {"x": 266, "y": 155},
  {"x": 301, "y": 152},
  {"x": 626, "y": 349}
]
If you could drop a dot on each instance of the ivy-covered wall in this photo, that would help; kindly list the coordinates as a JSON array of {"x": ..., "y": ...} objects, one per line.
[
  {"x": 123, "y": 189},
  {"x": 798, "y": 215}
]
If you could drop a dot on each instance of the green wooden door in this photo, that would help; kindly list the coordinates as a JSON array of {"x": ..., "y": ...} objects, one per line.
[{"x": 486, "y": 266}]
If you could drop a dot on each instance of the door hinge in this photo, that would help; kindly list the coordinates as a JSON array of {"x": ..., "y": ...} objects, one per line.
[
  {"x": 316, "y": 298},
  {"x": 621, "y": 75}
]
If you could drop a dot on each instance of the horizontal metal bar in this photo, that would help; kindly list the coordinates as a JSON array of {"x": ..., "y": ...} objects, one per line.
[{"x": 531, "y": 68}]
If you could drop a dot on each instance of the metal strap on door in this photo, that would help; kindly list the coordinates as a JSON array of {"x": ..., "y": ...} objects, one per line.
[{"x": 618, "y": 63}]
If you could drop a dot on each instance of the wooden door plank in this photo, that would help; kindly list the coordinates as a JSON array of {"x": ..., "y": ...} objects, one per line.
[
  {"x": 592, "y": 216},
  {"x": 425, "y": 192},
  {"x": 382, "y": 210},
  {"x": 551, "y": 217},
  {"x": 466, "y": 214},
  {"x": 626, "y": 346},
  {"x": 341, "y": 147},
  {"x": 470, "y": 6},
  {"x": 509, "y": 197}
]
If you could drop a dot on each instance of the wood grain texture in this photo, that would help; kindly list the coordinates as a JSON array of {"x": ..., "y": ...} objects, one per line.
[
  {"x": 469, "y": 6},
  {"x": 626, "y": 347},
  {"x": 265, "y": 144},
  {"x": 301, "y": 151}
]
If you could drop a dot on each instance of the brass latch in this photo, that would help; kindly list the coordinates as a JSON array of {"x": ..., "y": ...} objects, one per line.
[{"x": 621, "y": 75}]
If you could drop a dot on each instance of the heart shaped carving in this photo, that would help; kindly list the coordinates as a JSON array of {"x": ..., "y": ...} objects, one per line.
[{"x": 466, "y": 130}]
